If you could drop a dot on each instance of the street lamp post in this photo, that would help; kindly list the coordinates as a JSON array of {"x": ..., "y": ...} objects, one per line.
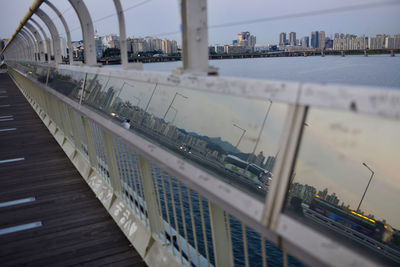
[
  {"x": 372, "y": 175},
  {"x": 173, "y": 99},
  {"x": 240, "y": 139}
]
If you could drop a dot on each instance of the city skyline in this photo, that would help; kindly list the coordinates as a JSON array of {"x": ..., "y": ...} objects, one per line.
[{"x": 381, "y": 19}]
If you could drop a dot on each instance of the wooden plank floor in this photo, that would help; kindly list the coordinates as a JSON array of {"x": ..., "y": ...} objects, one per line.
[{"x": 76, "y": 229}]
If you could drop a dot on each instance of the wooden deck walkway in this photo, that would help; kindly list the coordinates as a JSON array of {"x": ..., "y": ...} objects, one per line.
[{"x": 75, "y": 228}]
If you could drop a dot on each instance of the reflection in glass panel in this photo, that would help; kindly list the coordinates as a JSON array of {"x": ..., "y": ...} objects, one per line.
[
  {"x": 67, "y": 82},
  {"x": 346, "y": 180},
  {"x": 233, "y": 138}
]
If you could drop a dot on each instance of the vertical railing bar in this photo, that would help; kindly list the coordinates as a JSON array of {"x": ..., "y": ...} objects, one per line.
[
  {"x": 158, "y": 196},
  {"x": 140, "y": 185},
  {"x": 128, "y": 177},
  {"x": 175, "y": 217},
  {"x": 203, "y": 227},
  {"x": 127, "y": 172},
  {"x": 153, "y": 170},
  {"x": 63, "y": 118},
  {"x": 135, "y": 184},
  {"x": 167, "y": 211},
  {"x": 184, "y": 222},
  {"x": 193, "y": 226},
  {"x": 119, "y": 161},
  {"x": 263, "y": 252},
  {"x": 285, "y": 256},
  {"x": 228, "y": 228},
  {"x": 245, "y": 250}
]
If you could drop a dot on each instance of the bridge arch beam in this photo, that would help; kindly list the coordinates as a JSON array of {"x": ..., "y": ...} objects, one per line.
[
  {"x": 54, "y": 34},
  {"x": 122, "y": 39},
  {"x": 67, "y": 32},
  {"x": 46, "y": 40},
  {"x": 24, "y": 47},
  {"x": 87, "y": 31},
  {"x": 33, "y": 42},
  {"x": 39, "y": 39}
]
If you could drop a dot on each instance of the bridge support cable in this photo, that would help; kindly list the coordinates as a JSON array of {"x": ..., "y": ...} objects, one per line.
[
  {"x": 87, "y": 31},
  {"x": 69, "y": 41}
]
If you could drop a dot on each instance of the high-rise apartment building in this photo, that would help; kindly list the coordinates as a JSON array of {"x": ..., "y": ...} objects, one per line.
[
  {"x": 292, "y": 39},
  {"x": 321, "y": 40},
  {"x": 169, "y": 47},
  {"x": 252, "y": 42},
  {"x": 282, "y": 39},
  {"x": 243, "y": 38},
  {"x": 106, "y": 39},
  {"x": 315, "y": 39},
  {"x": 305, "y": 42}
]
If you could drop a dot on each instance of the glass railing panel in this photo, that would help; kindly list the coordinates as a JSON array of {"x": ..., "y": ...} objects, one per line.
[
  {"x": 346, "y": 180},
  {"x": 234, "y": 138}
]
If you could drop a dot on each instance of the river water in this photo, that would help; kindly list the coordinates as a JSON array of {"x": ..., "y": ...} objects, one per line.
[{"x": 376, "y": 70}]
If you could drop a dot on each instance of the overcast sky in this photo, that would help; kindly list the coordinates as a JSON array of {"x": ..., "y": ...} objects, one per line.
[{"x": 152, "y": 17}]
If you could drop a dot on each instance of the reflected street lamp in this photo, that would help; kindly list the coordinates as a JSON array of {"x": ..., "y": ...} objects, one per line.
[
  {"x": 240, "y": 139},
  {"x": 259, "y": 134},
  {"x": 372, "y": 175},
  {"x": 173, "y": 99},
  {"x": 176, "y": 113}
]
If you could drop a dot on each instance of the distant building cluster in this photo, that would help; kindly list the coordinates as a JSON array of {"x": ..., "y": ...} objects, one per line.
[
  {"x": 260, "y": 161},
  {"x": 352, "y": 42},
  {"x": 319, "y": 40},
  {"x": 135, "y": 45},
  {"x": 307, "y": 193},
  {"x": 243, "y": 44}
]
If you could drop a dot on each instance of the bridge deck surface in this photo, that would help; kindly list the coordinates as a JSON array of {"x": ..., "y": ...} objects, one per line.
[{"x": 76, "y": 229}]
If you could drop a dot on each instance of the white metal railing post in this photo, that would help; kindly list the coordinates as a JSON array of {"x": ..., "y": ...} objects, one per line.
[
  {"x": 195, "y": 37},
  {"x": 87, "y": 31},
  {"x": 75, "y": 134},
  {"x": 150, "y": 197},
  {"x": 109, "y": 148},
  {"x": 283, "y": 168},
  {"x": 89, "y": 142},
  {"x": 220, "y": 236}
]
